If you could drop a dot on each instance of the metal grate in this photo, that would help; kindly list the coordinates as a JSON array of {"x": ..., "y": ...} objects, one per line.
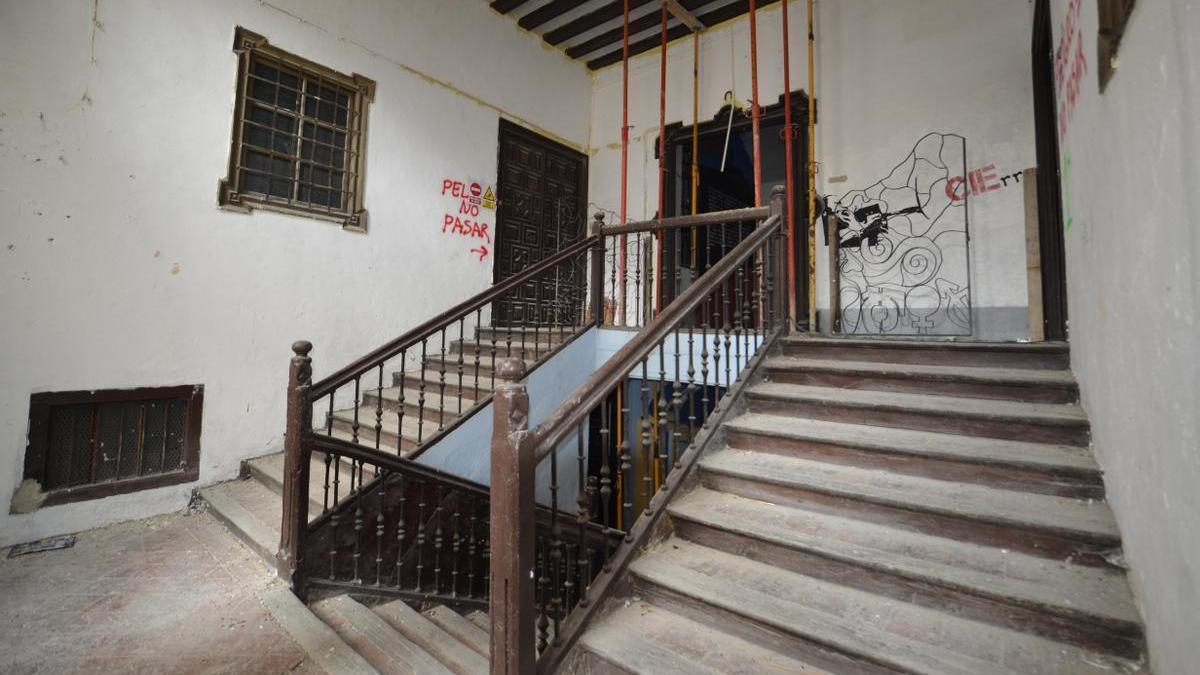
[
  {"x": 298, "y": 135},
  {"x": 95, "y": 443}
]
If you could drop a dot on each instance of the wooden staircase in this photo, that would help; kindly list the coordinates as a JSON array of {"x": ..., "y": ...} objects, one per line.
[
  {"x": 367, "y": 634},
  {"x": 882, "y": 506}
]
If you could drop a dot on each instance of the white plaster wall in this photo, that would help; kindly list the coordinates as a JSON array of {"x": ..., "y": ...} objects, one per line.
[
  {"x": 1132, "y": 253},
  {"x": 117, "y": 269},
  {"x": 888, "y": 72}
]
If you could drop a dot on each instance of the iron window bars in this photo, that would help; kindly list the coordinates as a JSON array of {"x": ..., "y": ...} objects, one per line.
[{"x": 299, "y": 136}]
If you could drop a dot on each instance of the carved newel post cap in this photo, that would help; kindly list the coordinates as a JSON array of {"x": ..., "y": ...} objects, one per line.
[
  {"x": 597, "y": 222},
  {"x": 511, "y": 370},
  {"x": 301, "y": 347},
  {"x": 778, "y": 190}
]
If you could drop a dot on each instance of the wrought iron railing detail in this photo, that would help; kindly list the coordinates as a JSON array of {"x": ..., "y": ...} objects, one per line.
[{"x": 629, "y": 430}]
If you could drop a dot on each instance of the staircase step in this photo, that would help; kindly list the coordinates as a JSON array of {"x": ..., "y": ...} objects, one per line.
[
  {"x": 481, "y": 619},
  {"x": 1090, "y": 606},
  {"x": 393, "y": 432},
  {"x": 326, "y": 649},
  {"x": 1018, "y": 384},
  {"x": 268, "y": 470},
  {"x": 430, "y": 636},
  {"x": 642, "y": 638},
  {"x": 544, "y": 333},
  {"x": 1041, "y": 467},
  {"x": 809, "y": 617},
  {"x": 434, "y": 406},
  {"x": 532, "y": 349},
  {"x": 1052, "y": 355},
  {"x": 1041, "y": 524},
  {"x": 252, "y": 510},
  {"x": 463, "y": 630},
  {"x": 380, "y": 644},
  {"x": 1039, "y": 422},
  {"x": 435, "y": 364}
]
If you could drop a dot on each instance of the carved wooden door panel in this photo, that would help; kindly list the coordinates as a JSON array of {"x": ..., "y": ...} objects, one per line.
[{"x": 542, "y": 192}]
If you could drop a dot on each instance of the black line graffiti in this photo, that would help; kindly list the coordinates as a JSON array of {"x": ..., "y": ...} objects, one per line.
[{"x": 903, "y": 257}]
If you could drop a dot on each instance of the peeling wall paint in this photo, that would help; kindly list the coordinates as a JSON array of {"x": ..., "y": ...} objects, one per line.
[{"x": 118, "y": 268}]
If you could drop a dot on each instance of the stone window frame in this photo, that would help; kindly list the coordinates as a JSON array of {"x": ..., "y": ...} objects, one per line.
[{"x": 234, "y": 193}]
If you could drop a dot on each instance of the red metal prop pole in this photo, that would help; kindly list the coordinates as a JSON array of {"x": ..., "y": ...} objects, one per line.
[
  {"x": 624, "y": 160},
  {"x": 788, "y": 137},
  {"x": 754, "y": 105},
  {"x": 662, "y": 154}
]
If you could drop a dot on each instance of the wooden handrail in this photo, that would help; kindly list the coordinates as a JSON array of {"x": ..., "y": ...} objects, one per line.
[
  {"x": 700, "y": 219},
  {"x": 411, "y": 337},
  {"x": 571, "y": 412}
]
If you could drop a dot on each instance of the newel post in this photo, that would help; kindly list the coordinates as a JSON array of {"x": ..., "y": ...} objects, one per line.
[
  {"x": 289, "y": 560},
  {"x": 511, "y": 604},
  {"x": 597, "y": 281}
]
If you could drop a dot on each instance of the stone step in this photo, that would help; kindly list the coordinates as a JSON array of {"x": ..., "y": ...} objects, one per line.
[
  {"x": 374, "y": 639},
  {"x": 393, "y": 433},
  {"x": 430, "y": 636},
  {"x": 436, "y": 365},
  {"x": 480, "y": 618},
  {"x": 435, "y": 405},
  {"x": 1016, "y": 384},
  {"x": 544, "y": 334},
  {"x": 643, "y": 638},
  {"x": 1016, "y": 465},
  {"x": 253, "y": 511},
  {"x": 931, "y": 351},
  {"x": 1037, "y": 422},
  {"x": 268, "y": 470},
  {"x": 460, "y": 627},
  {"x": 324, "y": 646},
  {"x": 819, "y": 621},
  {"x": 1084, "y": 605},
  {"x": 1044, "y": 525},
  {"x": 530, "y": 350}
]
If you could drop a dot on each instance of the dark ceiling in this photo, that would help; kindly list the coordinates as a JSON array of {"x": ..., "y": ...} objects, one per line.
[{"x": 590, "y": 30}]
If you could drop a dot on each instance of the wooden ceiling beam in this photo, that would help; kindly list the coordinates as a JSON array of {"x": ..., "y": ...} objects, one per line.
[
  {"x": 685, "y": 17},
  {"x": 547, "y": 12},
  {"x": 590, "y": 20},
  {"x": 506, "y": 6}
]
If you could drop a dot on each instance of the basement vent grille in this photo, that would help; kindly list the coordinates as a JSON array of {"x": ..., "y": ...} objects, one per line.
[
  {"x": 298, "y": 135},
  {"x": 90, "y": 444}
]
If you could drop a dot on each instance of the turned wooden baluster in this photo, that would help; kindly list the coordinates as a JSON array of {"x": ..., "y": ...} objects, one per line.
[
  {"x": 289, "y": 560},
  {"x": 512, "y": 603}
]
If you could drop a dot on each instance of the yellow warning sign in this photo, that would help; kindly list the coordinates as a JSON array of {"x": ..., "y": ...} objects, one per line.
[{"x": 489, "y": 199}]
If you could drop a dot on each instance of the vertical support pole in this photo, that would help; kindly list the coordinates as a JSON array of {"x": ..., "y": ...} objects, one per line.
[
  {"x": 512, "y": 604},
  {"x": 754, "y": 107},
  {"x": 289, "y": 560},
  {"x": 662, "y": 159},
  {"x": 695, "y": 143},
  {"x": 624, "y": 262},
  {"x": 812, "y": 178},
  {"x": 597, "y": 256},
  {"x": 789, "y": 170}
]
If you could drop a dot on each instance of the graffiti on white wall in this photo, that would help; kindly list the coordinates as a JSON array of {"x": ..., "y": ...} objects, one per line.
[{"x": 903, "y": 260}]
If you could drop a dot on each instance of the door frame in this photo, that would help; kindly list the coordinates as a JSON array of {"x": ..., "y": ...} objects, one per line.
[
  {"x": 679, "y": 135},
  {"x": 1049, "y": 183}
]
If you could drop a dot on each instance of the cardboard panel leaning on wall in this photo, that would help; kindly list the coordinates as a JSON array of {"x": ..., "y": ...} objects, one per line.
[
  {"x": 134, "y": 277},
  {"x": 1130, "y": 165}
]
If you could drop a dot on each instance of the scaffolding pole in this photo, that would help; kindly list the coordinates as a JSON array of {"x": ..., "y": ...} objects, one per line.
[
  {"x": 789, "y": 171},
  {"x": 624, "y": 160}
]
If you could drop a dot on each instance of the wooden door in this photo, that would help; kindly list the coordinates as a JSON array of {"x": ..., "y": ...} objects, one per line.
[{"x": 542, "y": 208}]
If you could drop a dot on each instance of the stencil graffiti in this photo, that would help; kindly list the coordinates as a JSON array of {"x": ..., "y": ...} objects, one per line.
[{"x": 903, "y": 261}]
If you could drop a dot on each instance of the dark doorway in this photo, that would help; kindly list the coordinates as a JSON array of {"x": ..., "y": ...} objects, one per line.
[
  {"x": 1049, "y": 195},
  {"x": 542, "y": 191},
  {"x": 688, "y": 255}
]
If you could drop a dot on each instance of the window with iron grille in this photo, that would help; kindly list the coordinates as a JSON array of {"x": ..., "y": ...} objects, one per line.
[
  {"x": 90, "y": 444},
  {"x": 299, "y": 136}
]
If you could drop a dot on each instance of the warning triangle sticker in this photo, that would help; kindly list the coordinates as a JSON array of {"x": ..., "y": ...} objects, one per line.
[{"x": 489, "y": 199}]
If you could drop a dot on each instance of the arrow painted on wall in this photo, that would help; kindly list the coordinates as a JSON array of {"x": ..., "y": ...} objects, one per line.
[{"x": 482, "y": 251}]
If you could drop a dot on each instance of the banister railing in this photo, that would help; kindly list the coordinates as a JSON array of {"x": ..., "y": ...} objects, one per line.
[{"x": 632, "y": 429}]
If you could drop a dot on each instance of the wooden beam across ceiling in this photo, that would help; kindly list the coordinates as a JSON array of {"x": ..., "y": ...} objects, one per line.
[
  {"x": 506, "y": 6},
  {"x": 590, "y": 20},
  {"x": 685, "y": 17}
]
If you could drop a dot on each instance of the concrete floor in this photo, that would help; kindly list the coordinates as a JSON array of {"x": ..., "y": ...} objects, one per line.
[{"x": 170, "y": 594}]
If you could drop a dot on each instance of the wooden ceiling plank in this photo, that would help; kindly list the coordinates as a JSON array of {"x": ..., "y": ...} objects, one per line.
[
  {"x": 506, "y": 6},
  {"x": 589, "y": 21},
  {"x": 546, "y": 12}
]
